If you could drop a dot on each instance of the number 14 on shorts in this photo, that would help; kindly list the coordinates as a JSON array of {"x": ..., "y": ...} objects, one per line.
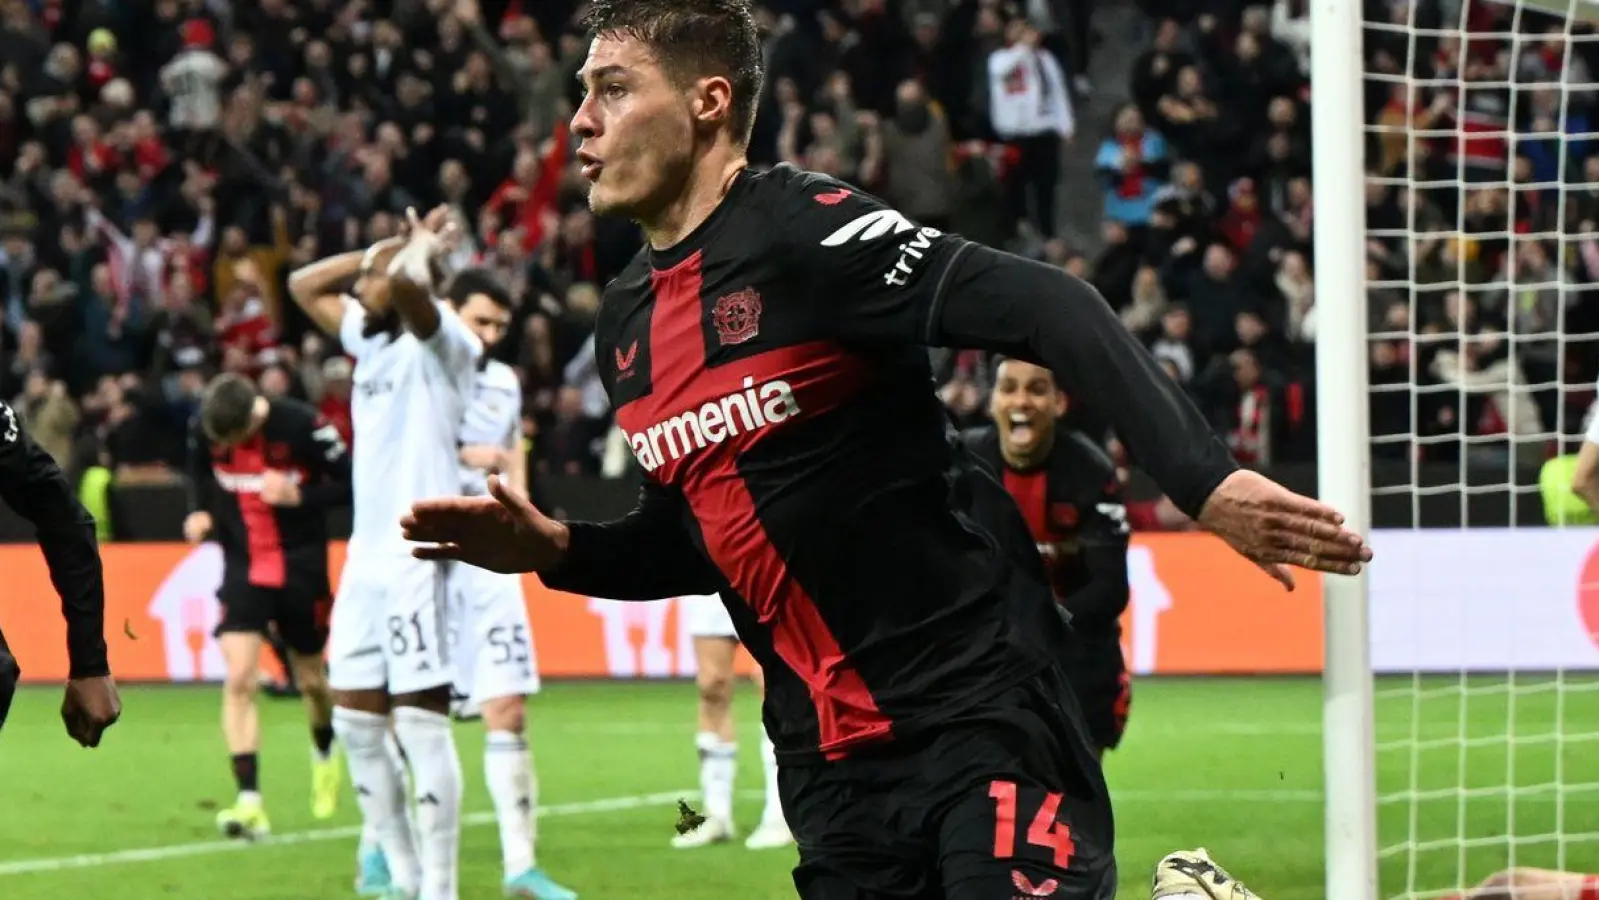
[{"x": 1046, "y": 831}]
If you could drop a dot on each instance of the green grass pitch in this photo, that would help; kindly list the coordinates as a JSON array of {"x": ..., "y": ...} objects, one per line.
[{"x": 1231, "y": 764}]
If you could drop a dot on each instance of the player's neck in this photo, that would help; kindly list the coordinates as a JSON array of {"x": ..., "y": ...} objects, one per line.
[
  {"x": 1032, "y": 458},
  {"x": 709, "y": 182}
]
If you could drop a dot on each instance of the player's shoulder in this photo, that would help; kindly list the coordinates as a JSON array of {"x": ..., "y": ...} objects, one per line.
[
  {"x": 1084, "y": 461},
  {"x": 981, "y": 441},
  {"x": 496, "y": 375},
  {"x": 790, "y": 190},
  {"x": 634, "y": 281},
  {"x": 287, "y": 413}
]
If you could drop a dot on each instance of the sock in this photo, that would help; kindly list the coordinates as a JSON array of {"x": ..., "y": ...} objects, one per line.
[
  {"x": 429, "y": 746},
  {"x": 380, "y": 791},
  {"x": 322, "y": 740},
  {"x": 508, "y": 769},
  {"x": 718, "y": 761},
  {"x": 247, "y": 775},
  {"x": 773, "y": 813}
]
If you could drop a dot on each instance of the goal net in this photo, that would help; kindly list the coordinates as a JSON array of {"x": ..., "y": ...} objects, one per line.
[{"x": 1482, "y": 291}]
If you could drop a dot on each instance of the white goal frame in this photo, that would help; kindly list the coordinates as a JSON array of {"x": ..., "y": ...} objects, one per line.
[{"x": 1343, "y": 441}]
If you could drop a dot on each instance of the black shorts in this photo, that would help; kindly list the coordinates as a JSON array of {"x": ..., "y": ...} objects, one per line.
[
  {"x": 1007, "y": 803},
  {"x": 300, "y": 613},
  {"x": 1104, "y": 689}
]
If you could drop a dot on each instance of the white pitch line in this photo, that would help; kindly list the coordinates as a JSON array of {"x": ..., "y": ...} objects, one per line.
[{"x": 315, "y": 835}]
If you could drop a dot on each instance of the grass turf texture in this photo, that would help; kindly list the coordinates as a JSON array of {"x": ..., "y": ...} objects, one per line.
[{"x": 1232, "y": 764}]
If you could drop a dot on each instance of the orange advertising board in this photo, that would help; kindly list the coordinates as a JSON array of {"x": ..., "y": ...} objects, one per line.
[{"x": 1196, "y": 608}]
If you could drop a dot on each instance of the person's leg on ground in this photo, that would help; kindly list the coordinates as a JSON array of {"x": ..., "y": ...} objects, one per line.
[
  {"x": 302, "y": 626},
  {"x": 241, "y": 731},
  {"x": 358, "y": 674},
  {"x": 421, "y": 673},
  {"x": 773, "y": 831},
  {"x": 715, "y": 741}
]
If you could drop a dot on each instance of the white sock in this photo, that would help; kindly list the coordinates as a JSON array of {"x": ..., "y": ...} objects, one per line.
[
  {"x": 718, "y": 762},
  {"x": 508, "y": 769},
  {"x": 379, "y": 790},
  {"x": 429, "y": 745},
  {"x": 369, "y": 839},
  {"x": 251, "y": 797},
  {"x": 773, "y": 813}
]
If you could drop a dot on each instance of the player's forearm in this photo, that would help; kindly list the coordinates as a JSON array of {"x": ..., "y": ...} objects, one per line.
[
  {"x": 411, "y": 288},
  {"x": 619, "y": 561},
  {"x": 996, "y": 301},
  {"x": 1105, "y": 596},
  {"x": 325, "y": 276},
  {"x": 66, "y": 536}
]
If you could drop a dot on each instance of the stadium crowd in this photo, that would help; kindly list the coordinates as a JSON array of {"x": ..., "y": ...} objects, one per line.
[{"x": 167, "y": 164}]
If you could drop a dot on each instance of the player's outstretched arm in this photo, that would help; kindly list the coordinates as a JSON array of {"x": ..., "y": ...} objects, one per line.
[
  {"x": 32, "y": 485},
  {"x": 645, "y": 555},
  {"x": 411, "y": 272},
  {"x": 895, "y": 281},
  {"x": 315, "y": 289}
]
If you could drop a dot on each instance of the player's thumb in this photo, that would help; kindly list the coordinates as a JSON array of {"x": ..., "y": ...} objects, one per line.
[{"x": 517, "y": 505}]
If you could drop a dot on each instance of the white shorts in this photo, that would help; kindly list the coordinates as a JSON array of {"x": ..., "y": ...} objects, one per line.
[
  {"x": 704, "y": 616},
  {"x": 493, "y": 640},
  {"x": 389, "y": 626}
]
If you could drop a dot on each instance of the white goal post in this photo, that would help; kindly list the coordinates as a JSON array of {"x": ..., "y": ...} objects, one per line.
[{"x": 1457, "y": 343}]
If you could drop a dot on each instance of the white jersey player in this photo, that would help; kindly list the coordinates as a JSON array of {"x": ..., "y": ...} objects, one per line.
[
  {"x": 1585, "y": 471},
  {"x": 497, "y": 670},
  {"x": 389, "y": 658},
  {"x": 715, "y": 644}
]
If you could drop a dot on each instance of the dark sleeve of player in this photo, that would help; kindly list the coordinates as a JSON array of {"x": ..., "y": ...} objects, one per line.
[
  {"x": 645, "y": 555},
  {"x": 202, "y": 480},
  {"x": 898, "y": 282},
  {"x": 1102, "y": 538},
  {"x": 32, "y": 484},
  {"x": 324, "y": 448}
]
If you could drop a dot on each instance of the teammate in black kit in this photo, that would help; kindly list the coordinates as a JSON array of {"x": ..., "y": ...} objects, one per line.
[
  {"x": 32, "y": 485},
  {"x": 1071, "y": 504},
  {"x": 765, "y": 359},
  {"x": 265, "y": 473}
]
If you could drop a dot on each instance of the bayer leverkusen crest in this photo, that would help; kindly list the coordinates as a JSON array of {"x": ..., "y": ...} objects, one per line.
[{"x": 737, "y": 317}]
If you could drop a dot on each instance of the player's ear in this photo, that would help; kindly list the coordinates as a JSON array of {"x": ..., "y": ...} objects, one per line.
[
  {"x": 713, "y": 101},
  {"x": 1061, "y": 403}
]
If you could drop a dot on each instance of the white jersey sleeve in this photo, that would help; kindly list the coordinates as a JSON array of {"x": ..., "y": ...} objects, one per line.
[
  {"x": 1591, "y": 435},
  {"x": 494, "y": 417},
  {"x": 455, "y": 346}
]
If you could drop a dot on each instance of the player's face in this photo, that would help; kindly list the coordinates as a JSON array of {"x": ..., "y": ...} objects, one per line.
[
  {"x": 486, "y": 319},
  {"x": 1025, "y": 405},
  {"x": 636, "y": 126}
]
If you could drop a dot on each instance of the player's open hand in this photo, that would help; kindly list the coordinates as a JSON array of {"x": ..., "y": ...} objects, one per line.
[
  {"x": 91, "y": 706},
  {"x": 1275, "y": 528},
  {"x": 502, "y": 532}
]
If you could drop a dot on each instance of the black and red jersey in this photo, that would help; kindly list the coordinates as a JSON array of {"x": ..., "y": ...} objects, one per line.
[
  {"x": 263, "y": 545},
  {"x": 1072, "y": 504},
  {"x": 771, "y": 377}
]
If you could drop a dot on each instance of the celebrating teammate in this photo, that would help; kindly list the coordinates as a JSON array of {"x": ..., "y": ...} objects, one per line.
[
  {"x": 32, "y": 485},
  {"x": 1070, "y": 499},
  {"x": 764, "y": 357},
  {"x": 263, "y": 474},
  {"x": 497, "y": 673},
  {"x": 715, "y": 646},
  {"x": 389, "y": 662}
]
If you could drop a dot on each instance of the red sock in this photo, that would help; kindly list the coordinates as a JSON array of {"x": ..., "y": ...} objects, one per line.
[{"x": 1590, "y": 888}]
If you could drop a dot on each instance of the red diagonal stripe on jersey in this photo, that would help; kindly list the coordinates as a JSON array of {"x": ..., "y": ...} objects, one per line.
[
  {"x": 261, "y": 536},
  {"x": 821, "y": 376}
]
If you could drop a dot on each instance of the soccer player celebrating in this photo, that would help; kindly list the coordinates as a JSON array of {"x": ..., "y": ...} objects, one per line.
[
  {"x": 1070, "y": 499},
  {"x": 495, "y": 642},
  {"x": 765, "y": 358},
  {"x": 715, "y": 645},
  {"x": 32, "y": 485},
  {"x": 389, "y": 663},
  {"x": 263, "y": 475}
]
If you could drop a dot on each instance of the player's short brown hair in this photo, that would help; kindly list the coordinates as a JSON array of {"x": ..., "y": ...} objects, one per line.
[
  {"x": 227, "y": 407},
  {"x": 693, "y": 39}
]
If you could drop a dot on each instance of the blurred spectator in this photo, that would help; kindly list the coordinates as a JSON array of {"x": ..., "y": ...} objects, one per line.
[
  {"x": 1132, "y": 164},
  {"x": 1032, "y": 113}
]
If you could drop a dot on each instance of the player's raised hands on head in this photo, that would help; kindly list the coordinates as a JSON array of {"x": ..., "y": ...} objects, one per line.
[
  {"x": 1276, "y": 528},
  {"x": 502, "y": 532}
]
